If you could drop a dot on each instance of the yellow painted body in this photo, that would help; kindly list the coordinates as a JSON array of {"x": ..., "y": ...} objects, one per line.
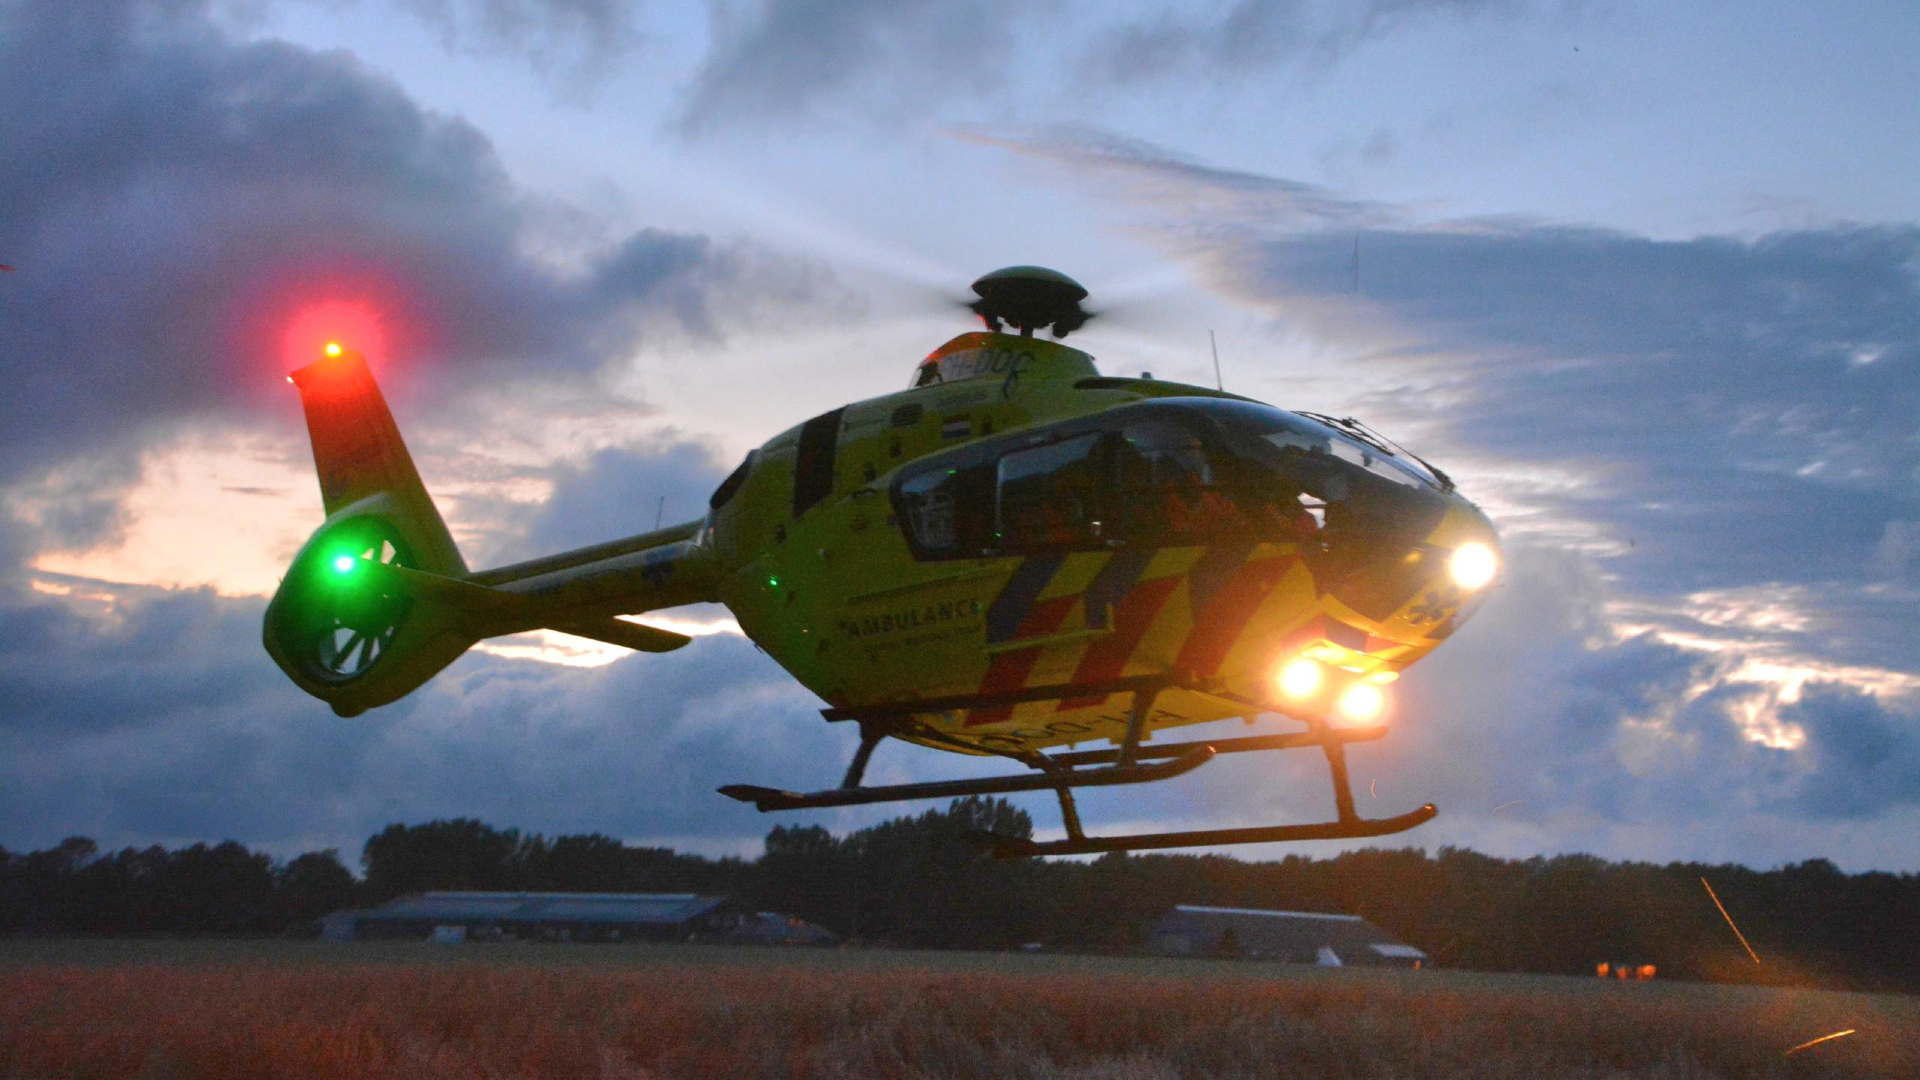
[{"x": 836, "y": 595}]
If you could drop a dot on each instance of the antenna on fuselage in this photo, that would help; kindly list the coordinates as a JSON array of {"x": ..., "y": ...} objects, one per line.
[{"x": 1215, "y": 346}]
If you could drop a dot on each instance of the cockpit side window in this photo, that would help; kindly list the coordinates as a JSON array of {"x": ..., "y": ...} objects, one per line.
[
  {"x": 1176, "y": 484},
  {"x": 1054, "y": 497},
  {"x": 1168, "y": 487}
]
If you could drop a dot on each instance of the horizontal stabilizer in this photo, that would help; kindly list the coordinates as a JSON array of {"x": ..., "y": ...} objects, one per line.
[
  {"x": 631, "y": 635},
  {"x": 500, "y": 611}
]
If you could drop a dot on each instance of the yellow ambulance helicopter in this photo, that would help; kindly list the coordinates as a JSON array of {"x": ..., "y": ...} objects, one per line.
[{"x": 1014, "y": 554}]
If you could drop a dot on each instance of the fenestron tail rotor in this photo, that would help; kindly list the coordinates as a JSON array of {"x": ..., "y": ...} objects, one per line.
[{"x": 354, "y": 621}]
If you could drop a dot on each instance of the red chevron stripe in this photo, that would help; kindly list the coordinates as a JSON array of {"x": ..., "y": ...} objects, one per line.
[
  {"x": 1216, "y": 629},
  {"x": 1108, "y": 656},
  {"x": 1009, "y": 670}
]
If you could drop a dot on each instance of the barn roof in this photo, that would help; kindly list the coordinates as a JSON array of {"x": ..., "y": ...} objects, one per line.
[
  {"x": 1286, "y": 935},
  {"x": 663, "y": 909}
]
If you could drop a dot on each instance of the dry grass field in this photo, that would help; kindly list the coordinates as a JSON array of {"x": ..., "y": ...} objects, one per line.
[{"x": 223, "y": 1011}]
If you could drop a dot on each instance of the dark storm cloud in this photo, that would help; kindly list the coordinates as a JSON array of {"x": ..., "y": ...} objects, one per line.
[
  {"x": 1247, "y": 35},
  {"x": 1897, "y": 556},
  {"x": 174, "y": 196},
  {"x": 620, "y": 491},
  {"x": 177, "y": 647},
  {"x": 575, "y": 43},
  {"x": 607, "y": 494},
  {"x": 1172, "y": 40},
  {"x": 1867, "y": 760},
  {"x": 773, "y": 62},
  {"x": 73, "y": 507}
]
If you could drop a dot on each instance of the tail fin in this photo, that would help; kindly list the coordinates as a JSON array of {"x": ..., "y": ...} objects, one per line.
[
  {"x": 358, "y": 453},
  {"x": 343, "y": 633},
  {"x": 379, "y": 599}
]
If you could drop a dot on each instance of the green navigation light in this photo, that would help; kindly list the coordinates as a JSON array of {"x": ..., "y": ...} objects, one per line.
[{"x": 343, "y": 564}]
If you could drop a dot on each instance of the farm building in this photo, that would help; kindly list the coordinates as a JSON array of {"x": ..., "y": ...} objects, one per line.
[
  {"x": 548, "y": 916},
  {"x": 1302, "y": 937}
]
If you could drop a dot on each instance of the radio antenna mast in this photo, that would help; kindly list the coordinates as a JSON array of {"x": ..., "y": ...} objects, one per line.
[{"x": 1215, "y": 346}]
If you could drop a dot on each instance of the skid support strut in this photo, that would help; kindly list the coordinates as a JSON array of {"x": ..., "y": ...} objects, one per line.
[
  {"x": 870, "y": 736},
  {"x": 1336, "y": 752}
]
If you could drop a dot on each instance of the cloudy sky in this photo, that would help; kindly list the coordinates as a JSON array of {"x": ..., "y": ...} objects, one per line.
[{"x": 1641, "y": 276}]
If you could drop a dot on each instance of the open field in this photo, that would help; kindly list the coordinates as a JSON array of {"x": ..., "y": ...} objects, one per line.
[{"x": 217, "y": 1010}]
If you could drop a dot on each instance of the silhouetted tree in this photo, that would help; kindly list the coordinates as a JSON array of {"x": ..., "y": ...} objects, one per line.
[
  {"x": 312, "y": 885},
  {"x": 458, "y": 854}
]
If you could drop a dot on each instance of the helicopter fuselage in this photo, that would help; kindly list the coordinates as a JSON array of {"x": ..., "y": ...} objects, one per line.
[{"x": 1017, "y": 520}]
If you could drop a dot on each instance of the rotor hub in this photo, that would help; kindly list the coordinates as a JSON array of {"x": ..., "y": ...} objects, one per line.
[{"x": 1030, "y": 298}]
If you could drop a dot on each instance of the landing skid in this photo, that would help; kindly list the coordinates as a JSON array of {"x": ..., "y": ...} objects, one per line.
[
  {"x": 1061, "y": 773},
  {"x": 1014, "y": 847}
]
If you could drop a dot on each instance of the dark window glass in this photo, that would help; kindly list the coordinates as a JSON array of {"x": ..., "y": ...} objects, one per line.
[
  {"x": 1167, "y": 489},
  {"x": 731, "y": 485},
  {"x": 947, "y": 511},
  {"x": 1053, "y": 497},
  {"x": 813, "y": 462}
]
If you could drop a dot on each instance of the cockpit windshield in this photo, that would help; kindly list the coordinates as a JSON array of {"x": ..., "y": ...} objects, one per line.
[{"x": 1246, "y": 420}]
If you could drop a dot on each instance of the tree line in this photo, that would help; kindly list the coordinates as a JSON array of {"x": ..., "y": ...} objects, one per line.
[{"x": 921, "y": 881}]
